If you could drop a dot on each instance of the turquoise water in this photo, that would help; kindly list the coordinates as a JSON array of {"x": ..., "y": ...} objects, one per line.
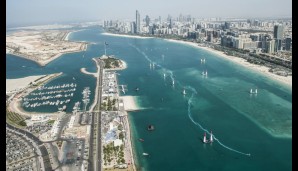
[{"x": 259, "y": 125}]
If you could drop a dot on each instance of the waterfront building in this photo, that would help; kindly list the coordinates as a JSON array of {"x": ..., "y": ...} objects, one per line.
[
  {"x": 288, "y": 42},
  {"x": 270, "y": 46},
  {"x": 138, "y": 24},
  {"x": 133, "y": 27},
  {"x": 278, "y": 35}
]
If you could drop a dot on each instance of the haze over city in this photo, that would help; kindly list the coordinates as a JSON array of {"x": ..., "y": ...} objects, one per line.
[{"x": 30, "y": 12}]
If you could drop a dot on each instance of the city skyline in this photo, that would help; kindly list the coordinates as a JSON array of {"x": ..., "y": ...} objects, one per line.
[{"x": 49, "y": 12}]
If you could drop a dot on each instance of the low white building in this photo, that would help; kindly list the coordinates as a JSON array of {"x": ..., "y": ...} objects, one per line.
[{"x": 117, "y": 142}]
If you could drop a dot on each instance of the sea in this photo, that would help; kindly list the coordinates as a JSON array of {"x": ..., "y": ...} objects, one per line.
[{"x": 250, "y": 131}]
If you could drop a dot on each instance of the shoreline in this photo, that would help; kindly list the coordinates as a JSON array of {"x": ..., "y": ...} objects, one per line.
[
  {"x": 69, "y": 33},
  {"x": 45, "y": 62},
  {"x": 124, "y": 35},
  {"x": 260, "y": 69},
  {"x": 133, "y": 163}
]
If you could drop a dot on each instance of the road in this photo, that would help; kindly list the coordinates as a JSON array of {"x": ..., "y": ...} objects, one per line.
[
  {"x": 95, "y": 160},
  {"x": 98, "y": 137}
]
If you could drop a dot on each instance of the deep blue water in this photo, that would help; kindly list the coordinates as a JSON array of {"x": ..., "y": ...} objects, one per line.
[{"x": 243, "y": 123}]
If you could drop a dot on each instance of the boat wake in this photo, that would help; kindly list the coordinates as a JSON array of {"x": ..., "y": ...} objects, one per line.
[{"x": 193, "y": 91}]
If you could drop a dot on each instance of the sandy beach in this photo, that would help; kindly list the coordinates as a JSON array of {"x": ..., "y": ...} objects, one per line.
[
  {"x": 262, "y": 69},
  {"x": 129, "y": 36},
  {"x": 83, "y": 70},
  {"x": 130, "y": 103},
  {"x": 20, "y": 83},
  {"x": 67, "y": 36}
]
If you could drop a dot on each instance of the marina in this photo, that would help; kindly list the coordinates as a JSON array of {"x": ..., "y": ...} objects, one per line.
[{"x": 58, "y": 95}]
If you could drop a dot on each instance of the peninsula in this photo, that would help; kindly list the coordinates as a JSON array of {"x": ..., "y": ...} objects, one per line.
[{"x": 42, "y": 46}]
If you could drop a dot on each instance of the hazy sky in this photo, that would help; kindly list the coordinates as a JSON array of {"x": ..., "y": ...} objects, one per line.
[{"x": 51, "y": 11}]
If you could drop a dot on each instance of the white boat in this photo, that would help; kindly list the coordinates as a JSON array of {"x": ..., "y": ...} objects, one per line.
[
  {"x": 204, "y": 73},
  {"x": 184, "y": 92},
  {"x": 205, "y": 139},
  {"x": 253, "y": 92},
  {"x": 145, "y": 154},
  {"x": 211, "y": 137}
]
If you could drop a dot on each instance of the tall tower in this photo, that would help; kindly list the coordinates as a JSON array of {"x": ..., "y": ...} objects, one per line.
[
  {"x": 278, "y": 36},
  {"x": 147, "y": 19},
  {"x": 138, "y": 24}
]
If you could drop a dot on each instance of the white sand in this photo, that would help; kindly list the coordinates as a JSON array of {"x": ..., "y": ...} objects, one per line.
[
  {"x": 83, "y": 70},
  {"x": 19, "y": 83},
  {"x": 262, "y": 69},
  {"x": 129, "y": 36},
  {"x": 130, "y": 103}
]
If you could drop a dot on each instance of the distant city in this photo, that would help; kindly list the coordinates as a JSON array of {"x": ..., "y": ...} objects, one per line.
[{"x": 269, "y": 38}]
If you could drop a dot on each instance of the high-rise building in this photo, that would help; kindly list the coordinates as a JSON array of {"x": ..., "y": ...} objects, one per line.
[
  {"x": 270, "y": 46},
  {"x": 227, "y": 25},
  {"x": 138, "y": 24},
  {"x": 288, "y": 42},
  {"x": 147, "y": 20},
  {"x": 133, "y": 27},
  {"x": 278, "y": 32},
  {"x": 171, "y": 23},
  {"x": 278, "y": 35}
]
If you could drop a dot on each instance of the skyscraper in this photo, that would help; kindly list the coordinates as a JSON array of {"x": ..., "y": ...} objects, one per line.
[
  {"x": 147, "y": 19},
  {"x": 171, "y": 23},
  {"x": 278, "y": 35},
  {"x": 278, "y": 31},
  {"x": 138, "y": 24}
]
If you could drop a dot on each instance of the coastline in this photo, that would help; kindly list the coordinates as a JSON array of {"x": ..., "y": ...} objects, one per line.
[
  {"x": 260, "y": 69},
  {"x": 123, "y": 35},
  {"x": 69, "y": 33},
  {"x": 129, "y": 133}
]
